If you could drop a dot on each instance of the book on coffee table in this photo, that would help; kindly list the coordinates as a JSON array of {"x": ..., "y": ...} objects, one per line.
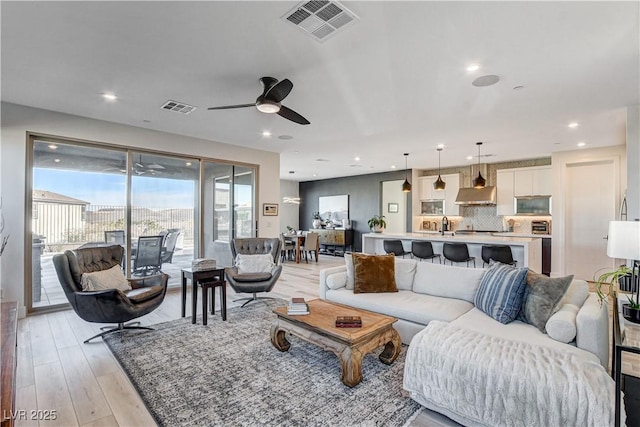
[
  {"x": 348, "y": 322},
  {"x": 297, "y": 306}
]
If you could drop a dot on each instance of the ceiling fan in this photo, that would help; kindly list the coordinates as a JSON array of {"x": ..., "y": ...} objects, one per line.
[{"x": 273, "y": 93}]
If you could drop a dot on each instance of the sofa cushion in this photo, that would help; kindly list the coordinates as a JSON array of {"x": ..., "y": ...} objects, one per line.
[
  {"x": 501, "y": 291},
  {"x": 562, "y": 325},
  {"x": 351, "y": 274},
  {"x": 541, "y": 297},
  {"x": 258, "y": 263},
  {"x": 112, "y": 278},
  {"x": 577, "y": 293},
  {"x": 374, "y": 273},
  {"x": 519, "y": 331},
  {"x": 406, "y": 305},
  {"x": 405, "y": 272},
  {"x": 447, "y": 281},
  {"x": 337, "y": 280}
]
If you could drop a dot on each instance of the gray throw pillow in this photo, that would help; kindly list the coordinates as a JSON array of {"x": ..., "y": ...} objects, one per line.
[{"x": 541, "y": 297}]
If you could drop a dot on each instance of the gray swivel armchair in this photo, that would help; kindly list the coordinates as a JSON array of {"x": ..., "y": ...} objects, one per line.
[
  {"x": 252, "y": 283},
  {"x": 110, "y": 305}
]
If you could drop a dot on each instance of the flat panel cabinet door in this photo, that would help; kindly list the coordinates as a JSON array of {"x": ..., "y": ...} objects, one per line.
[
  {"x": 523, "y": 183},
  {"x": 542, "y": 182},
  {"x": 505, "y": 193},
  {"x": 426, "y": 189},
  {"x": 451, "y": 192}
]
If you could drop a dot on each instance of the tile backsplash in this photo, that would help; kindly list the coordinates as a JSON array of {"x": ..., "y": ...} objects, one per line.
[{"x": 479, "y": 218}]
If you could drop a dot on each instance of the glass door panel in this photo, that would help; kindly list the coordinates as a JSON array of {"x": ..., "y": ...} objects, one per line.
[
  {"x": 217, "y": 212},
  {"x": 243, "y": 196},
  {"x": 78, "y": 196},
  {"x": 164, "y": 197}
]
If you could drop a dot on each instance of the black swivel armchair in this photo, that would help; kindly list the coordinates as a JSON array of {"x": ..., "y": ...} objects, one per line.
[
  {"x": 252, "y": 283},
  {"x": 110, "y": 305}
]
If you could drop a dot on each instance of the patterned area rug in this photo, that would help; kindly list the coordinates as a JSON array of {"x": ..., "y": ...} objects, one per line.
[{"x": 228, "y": 373}]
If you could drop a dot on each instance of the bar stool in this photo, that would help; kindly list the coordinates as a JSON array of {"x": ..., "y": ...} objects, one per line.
[
  {"x": 395, "y": 247},
  {"x": 424, "y": 250},
  {"x": 500, "y": 253},
  {"x": 457, "y": 252}
]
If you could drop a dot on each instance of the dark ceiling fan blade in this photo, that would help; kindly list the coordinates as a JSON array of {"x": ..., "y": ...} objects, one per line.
[
  {"x": 228, "y": 107},
  {"x": 279, "y": 91},
  {"x": 289, "y": 114}
]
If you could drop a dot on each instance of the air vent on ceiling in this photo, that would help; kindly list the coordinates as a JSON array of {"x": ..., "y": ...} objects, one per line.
[
  {"x": 320, "y": 18},
  {"x": 178, "y": 107}
]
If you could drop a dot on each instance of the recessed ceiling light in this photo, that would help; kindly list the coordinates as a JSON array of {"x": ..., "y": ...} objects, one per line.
[
  {"x": 109, "y": 96},
  {"x": 357, "y": 159},
  {"x": 473, "y": 67},
  {"x": 581, "y": 144},
  {"x": 315, "y": 174},
  {"x": 266, "y": 133},
  {"x": 573, "y": 125},
  {"x": 469, "y": 157},
  {"x": 53, "y": 146},
  {"x": 285, "y": 137},
  {"x": 56, "y": 160},
  {"x": 440, "y": 145},
  {"x": 393, "y": 166},
  {"x": 188, "y": 164}
]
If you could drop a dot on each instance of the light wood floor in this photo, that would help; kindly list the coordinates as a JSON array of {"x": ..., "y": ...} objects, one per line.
[{"x": 87, "y": 387}]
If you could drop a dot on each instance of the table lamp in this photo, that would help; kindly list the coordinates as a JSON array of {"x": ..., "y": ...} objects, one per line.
[{"x": 624, "y": 243}]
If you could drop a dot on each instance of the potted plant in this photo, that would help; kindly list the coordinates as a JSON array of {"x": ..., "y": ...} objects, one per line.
[
  {"x": 377, "y": 223},
  {"x": 630, "y": 310},
  {"x": 317, "y": 220}
]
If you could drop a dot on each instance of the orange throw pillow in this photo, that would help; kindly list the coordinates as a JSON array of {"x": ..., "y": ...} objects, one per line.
[{"x": 374, "y": 273}]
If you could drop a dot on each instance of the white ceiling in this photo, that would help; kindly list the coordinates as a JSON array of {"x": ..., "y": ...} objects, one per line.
[{"x": 394, "y": 82}]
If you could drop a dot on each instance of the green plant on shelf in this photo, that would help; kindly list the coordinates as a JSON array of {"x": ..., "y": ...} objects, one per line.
[{"x": 610, "y": 279}]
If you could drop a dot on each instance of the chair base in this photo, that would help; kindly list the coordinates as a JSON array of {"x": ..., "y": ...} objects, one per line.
[
  {"x": 120, "y": 328},
  {"x": 251, "y": 299}
]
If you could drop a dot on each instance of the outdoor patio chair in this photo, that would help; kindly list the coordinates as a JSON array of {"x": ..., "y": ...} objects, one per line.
[
  {"x": 170, "y": 240},
  {"x": 109, "y": 305},
  {"x": 147, "y": 257}
]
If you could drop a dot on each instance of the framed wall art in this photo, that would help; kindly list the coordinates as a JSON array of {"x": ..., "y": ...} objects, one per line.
[{"x": 270, "y": 209}]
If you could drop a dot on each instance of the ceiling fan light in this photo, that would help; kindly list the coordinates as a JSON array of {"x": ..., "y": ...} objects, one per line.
[
  {"x": 406, "y": 186},
  {"x": 479, "y": 181},
  {"x": 268, "y": 106},
  {"x": 439, "y": 184}
]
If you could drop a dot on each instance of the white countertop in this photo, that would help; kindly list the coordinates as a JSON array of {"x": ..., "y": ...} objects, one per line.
[
  {"x": 480, "y": 238},
  {"x": 514, "y": 234}
]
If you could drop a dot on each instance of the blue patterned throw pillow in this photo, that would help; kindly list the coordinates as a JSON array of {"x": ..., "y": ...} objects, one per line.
[{"x": 501, "y": 291}]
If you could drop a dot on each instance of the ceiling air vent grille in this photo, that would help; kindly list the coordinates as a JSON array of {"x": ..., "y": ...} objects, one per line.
[
  {"x": 178, "y": 107},
  {"x": 320, "y": 18}
]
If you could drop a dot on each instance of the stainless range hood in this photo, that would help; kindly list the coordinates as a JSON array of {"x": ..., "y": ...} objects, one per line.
[{"x": 476, "y": 196}]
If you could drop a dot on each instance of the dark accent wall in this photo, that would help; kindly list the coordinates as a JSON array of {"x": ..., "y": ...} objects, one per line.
[{"x": 365, "y": 195}]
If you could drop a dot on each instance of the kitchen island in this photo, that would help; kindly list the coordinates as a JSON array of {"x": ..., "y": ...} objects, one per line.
[{"x": 527, "y": 251}]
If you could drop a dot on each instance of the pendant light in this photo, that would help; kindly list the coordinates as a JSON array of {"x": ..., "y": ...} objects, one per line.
[
  {"x": 406, "y": 186},
  {"x": 479, "y": 181},
  {"x": 439, "y": 184}
]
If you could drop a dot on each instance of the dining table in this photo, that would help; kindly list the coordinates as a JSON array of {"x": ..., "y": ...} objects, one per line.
[{"x": 298, "y": 239}]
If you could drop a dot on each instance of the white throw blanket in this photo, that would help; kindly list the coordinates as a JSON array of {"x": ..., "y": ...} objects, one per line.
[{"x": 482, "y": 380}]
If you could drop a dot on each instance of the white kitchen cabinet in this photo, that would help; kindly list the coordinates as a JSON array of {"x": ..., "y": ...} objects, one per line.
[
  {"x": 542, "y": 182},
  {"x": 450, "y": 194},
  {"x": 505, "y": 192},
  {"x": 426, "y": 189},
  {"x": 532, "y": 181}
]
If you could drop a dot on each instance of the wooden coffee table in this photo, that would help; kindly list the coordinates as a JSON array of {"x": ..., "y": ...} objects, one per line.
[{"x": 349, "y": 344}]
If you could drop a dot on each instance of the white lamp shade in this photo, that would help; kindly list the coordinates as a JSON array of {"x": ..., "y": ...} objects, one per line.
[{"x": 624, "y": 240}]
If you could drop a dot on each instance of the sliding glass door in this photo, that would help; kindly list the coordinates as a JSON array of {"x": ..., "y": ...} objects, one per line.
[
  {"x": 88, "y": 195},
  {"x": 229, "y": 201},
  {"x": 164, "y": 202},
  {"x": 78, "y": 194}
]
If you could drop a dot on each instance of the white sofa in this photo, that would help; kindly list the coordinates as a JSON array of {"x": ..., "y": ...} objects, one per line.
[
  {"x": 429, "y": 291},
  {"x": 480, "y": 372}
]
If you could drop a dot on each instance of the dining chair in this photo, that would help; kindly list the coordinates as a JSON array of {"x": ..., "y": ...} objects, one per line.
[
  {"x": 287, "y": 247},
  {"x": 310, "y": 245}
]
